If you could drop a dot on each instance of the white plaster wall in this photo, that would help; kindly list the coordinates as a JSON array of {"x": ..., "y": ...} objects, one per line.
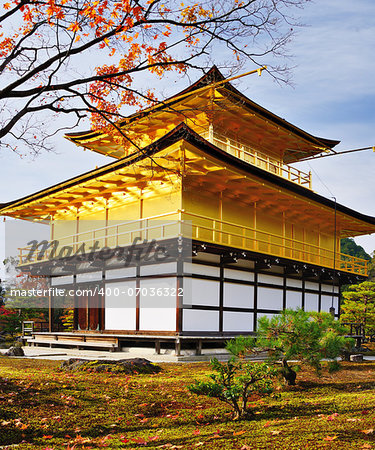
[
  {"x": 294, "y": 283},
  {"x": 196, "y": 320},
  {"x": 123, "y": 272},
  {"x": 201, "y": 292},
  {"x": 68, "y": 279},
  {"x": 201, "y": 269},
  {"x": 269, "y": 298},
  {"x": 270, "y": 279},
  {"x": 311, "y": 285},
  {"x": 293, "y": 299},
  {"x": 156, "y": 269},
  {"x": 311, "y": 302},
  {"x": 238, "y": 295},
  {"x": 328, "y": 288},
  {"x": 326, "y": 302},
  {"x": 238, "y": 275},
  {"x": 120, "y": 310},
  {"x": 89, "y": 276},
  {"x": 158, "y": 312},
  {"x": 238, "y": 321}
]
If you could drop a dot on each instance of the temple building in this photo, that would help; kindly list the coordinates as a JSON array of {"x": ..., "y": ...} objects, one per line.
[{"x": 208, "y": 177}]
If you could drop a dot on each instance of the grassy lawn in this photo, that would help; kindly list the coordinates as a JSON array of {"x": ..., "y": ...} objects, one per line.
[{"x": 42, "y": 407}]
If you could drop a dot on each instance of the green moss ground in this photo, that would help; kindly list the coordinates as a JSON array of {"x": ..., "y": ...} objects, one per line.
[{"x": 42, "y": 407}]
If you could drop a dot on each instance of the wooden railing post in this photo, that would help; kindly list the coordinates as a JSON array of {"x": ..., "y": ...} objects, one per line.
[
  {"x": 180, "y": 225},
  {"x": 211, "y": 133}
]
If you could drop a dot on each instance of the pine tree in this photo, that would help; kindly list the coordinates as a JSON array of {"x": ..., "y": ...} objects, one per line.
[{"x": 359, "y": 306}]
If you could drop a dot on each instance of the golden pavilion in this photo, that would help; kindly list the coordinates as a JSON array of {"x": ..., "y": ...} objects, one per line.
[{"x": 209, "y": 175}]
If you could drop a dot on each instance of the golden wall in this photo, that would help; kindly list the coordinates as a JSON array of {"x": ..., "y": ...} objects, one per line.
[
  {"x": 252, "y": 226},
  {"x": 216, "y": 217},
  {"x": 119, "y": 223}
]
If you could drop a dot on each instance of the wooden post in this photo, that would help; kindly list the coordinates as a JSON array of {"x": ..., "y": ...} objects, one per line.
[
  {"x": 199, "y": 347},
  {"x": 178, "y": 346},
  {"x": 50, "y": 315}
]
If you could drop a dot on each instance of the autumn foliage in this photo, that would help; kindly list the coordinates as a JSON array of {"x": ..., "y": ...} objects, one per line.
[{"x": 83, "y": 59}]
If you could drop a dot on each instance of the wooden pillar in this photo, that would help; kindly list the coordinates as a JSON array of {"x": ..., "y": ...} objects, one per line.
[
  {"x": 178, "y": 346},
  {"x": 50, "y": 311},
  {"x": 221, "y": 297},
  {"x": 320, "y": 296},
  {"x": 106, "y": 224},
  {"x": 137, "y": 299},
  {"x": 77, "y": 230},
  {"x": 255, "y": 244},
  {"x": 303, "y": 293},
  {"x": 255, "y": 298},
  {"x": 179, "y": 298}
]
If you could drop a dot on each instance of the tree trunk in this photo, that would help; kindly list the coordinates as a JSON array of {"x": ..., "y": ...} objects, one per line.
[{"x": 288, "y": 373}]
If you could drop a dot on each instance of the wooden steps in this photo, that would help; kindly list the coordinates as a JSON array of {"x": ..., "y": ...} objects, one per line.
[
  {"x": 74, "y": 340},
  {"x": 114, "y": 342}
]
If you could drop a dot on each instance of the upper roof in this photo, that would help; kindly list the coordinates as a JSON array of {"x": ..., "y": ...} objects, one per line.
[{"x": 298, "y": 143}]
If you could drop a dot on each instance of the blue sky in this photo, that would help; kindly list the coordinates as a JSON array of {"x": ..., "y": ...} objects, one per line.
[{"x": 333, "y": 96}]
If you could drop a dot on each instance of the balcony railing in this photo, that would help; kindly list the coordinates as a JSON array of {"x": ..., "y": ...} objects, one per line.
[
  {"x": 258, "y": 159},
  {"x": 206, "y": 229},
  {"x": 119, "y": 234},
  {"x": 247, "y": 238}
]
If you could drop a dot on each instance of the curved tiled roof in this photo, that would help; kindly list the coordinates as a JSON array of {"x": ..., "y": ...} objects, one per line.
[{"x": 213, "y": 76}]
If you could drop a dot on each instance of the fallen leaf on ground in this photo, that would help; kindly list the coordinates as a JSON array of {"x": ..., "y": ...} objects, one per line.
[
  {"x": 4, "y": 423},
  {"x": 330, "y": 438}
]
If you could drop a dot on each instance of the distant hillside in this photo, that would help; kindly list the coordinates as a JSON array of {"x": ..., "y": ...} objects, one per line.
[{"x": 349, "y": 247}]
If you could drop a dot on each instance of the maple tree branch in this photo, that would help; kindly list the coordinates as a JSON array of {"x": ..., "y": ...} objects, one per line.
[
  {"x": 17, "y": 49},
  {"x": 46, "y": 64},
  {"x": 40, "y": 61},
  {"x": 12, "y": 11}
]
